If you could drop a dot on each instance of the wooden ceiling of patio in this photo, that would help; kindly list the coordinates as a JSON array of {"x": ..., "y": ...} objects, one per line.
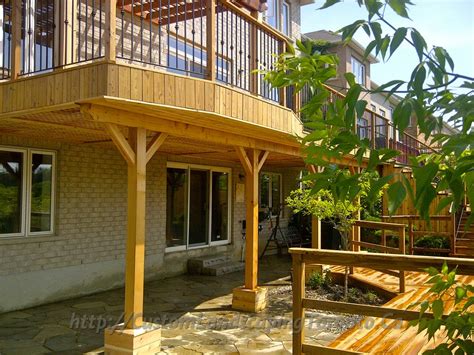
[{"x": 70, "y": 126}]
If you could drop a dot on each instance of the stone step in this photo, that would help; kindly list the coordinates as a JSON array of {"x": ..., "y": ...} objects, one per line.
[
  {"x": 196, "y": 265},
  {"x": 222, "y": 269}
]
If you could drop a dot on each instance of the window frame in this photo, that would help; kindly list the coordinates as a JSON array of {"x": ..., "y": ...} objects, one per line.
[
  {"x": 26, "y": 192},
  {"x": 209, "y": 242},
  {"x": 288, "y": 20},
  {"x": 53, "y": 188},
  {"x": 361, "y": 65},
  {"x": 270, "y": 192}
]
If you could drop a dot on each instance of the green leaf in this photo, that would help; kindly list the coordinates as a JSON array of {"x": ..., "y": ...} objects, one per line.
[
  {"x": 369, "y": 48},
  {"x": 460, "y": 293},
  {"x": 400, "y": 7},
  {"x": 329, "y": 3},
  {"x": 438, "y": 308},
  {"x": 396, "y": 195},
  {"x": 419, "y": 43},
  {"x": 397, "y": 39}
]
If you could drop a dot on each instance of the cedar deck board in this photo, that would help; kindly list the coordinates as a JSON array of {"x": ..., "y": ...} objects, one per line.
[{"x": 392, "y": 340}]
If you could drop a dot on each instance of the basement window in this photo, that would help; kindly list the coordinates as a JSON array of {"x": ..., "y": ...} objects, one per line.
[{"x": 27, "y": 181}]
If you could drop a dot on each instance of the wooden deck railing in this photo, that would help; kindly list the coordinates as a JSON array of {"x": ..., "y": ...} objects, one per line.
[
  {"x": 302, "y": 256},
  {"x": 209, "y": 39},
  {"x": 441, "y": 225},
  {"x": 399, "y": 229}
]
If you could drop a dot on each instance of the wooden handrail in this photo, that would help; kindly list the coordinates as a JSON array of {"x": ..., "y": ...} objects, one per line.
[
  {"x": 417, "y": 217},
  {"x": 384, "y": 226},
  {"x": 302, "y": 256},
  {"x": 264, "y": 26}
]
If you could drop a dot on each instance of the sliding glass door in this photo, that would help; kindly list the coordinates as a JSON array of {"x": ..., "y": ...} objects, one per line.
[{"x": 198, "y": 206}]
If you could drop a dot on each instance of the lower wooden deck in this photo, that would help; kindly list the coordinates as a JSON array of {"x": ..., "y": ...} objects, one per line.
[{"x": 385, "y": 336}]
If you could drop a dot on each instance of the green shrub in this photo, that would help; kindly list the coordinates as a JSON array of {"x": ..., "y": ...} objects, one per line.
[
  {"x": 317, "y": 279},
  {"x": 435, "y": 242}
]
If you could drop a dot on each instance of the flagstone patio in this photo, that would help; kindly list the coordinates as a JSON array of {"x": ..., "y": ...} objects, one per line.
[{"x": 194, "y": 311}]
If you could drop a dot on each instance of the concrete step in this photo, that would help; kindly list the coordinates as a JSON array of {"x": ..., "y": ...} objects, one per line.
[
  {"x": 222, "y": 269},
  {"x": 196, "y": 265}
]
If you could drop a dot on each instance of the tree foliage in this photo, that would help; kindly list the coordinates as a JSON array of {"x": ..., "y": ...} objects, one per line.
[
  {"x": 431, "y": 93},
  {"x": 459, "y": 324}
]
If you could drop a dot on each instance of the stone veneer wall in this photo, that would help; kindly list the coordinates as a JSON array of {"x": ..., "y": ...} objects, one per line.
[{"x": 87, "y": 251}]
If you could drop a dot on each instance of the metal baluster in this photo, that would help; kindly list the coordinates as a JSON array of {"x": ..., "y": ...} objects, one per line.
[
  {"x": 159, "y": 32},
  {"x": 86, "y": 31},
  {"x": 122, "y": 12},
  {"x": 100, "y": 28},
  {"x": 176, "y": 27},
  {"x": 141, "y": 29},
  {"x": 150, "y": 46},
  {"x": 93, "y": 28}
]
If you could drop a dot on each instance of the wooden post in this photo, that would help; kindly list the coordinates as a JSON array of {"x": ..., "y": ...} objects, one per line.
[
  {"x": 135, "y": 259},
  {"x": 298, "y": 310},
  {"x": 110, "y": 33},
  {"x": 211, "y": 39},
  {"x": 315, "y": 233},
  {"x": 251, "y": 297},
  {"x": 411, "y": 236},
  {"x": 251, "y": 234},
  {"x": 253, "y": 56},
  {"x": 283, "y": 98},
  {"x": 372, "y": 131},
  {"x": 402, "y": 251},
  {"x": 452, "y": 239},
  {"x": 16, "y": 40}
]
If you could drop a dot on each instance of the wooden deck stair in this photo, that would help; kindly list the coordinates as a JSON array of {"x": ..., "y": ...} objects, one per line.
[{"x": 464, "y": 246}]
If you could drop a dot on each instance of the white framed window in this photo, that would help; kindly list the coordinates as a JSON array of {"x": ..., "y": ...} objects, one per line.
[
  {"x": 198, "y": 206},
  {"x": 185, "y": 58},
  {"x": 286, "y": 18},
  {"x": 363, "y": 127},
  {"x": 271, "y": 197},
  {"x": 358, "y": 69},
  {"x": 278, "y": 15},
  {"x": 27, "y": 192}
]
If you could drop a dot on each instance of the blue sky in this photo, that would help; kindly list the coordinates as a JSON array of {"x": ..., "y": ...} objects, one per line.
[{"x": 446, "y": 23}]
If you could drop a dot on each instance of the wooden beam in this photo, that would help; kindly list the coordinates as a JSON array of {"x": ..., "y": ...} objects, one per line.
[
  {"x": 244, "y": 160},
  {"x": 262, "y": 160},
  {"x": 154, "y": 145},
  {"x": 380, "y": 261},
  {"x": 110, "y": 25},
  {"x": 121, "y": 143},
  {"x": 102, "y": 113},
  {"x": 135, "y": 258},
  {"x": 211, "y": 39},
  {"x": 251, "y": 230},
  {"x": 312, "y": 349},
  {"x": 16, "y": 39}
]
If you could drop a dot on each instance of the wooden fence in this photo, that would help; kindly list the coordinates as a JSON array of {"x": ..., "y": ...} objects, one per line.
[
  {"x": 303, "y": 256},
  {"x": 440, "y": 225}
]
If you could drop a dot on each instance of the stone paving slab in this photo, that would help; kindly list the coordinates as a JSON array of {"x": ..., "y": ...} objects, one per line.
[{"x": 194, "y": 311}]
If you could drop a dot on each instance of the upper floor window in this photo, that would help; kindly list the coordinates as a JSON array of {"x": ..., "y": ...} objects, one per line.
[
  {"x": 285, "y": 18},
  {"x": 26, "y": 192},
  {"x": 278, "y": 15},
  {"x": 188, "y": 58},
  {"x": 358, "y": 69}
]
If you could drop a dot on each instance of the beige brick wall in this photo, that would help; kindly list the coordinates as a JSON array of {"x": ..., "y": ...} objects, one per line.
[{"x": 90, "y": 225}]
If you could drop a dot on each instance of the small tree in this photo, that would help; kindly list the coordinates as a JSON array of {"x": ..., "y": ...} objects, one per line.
[{"x": 325, "y": 206}]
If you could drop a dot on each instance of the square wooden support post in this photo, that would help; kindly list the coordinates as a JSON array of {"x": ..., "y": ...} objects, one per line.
[
  {"x": 143, "y": 340},
  {"x": 251, "y": 298},
  {"x": 134, "y": 336}
]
